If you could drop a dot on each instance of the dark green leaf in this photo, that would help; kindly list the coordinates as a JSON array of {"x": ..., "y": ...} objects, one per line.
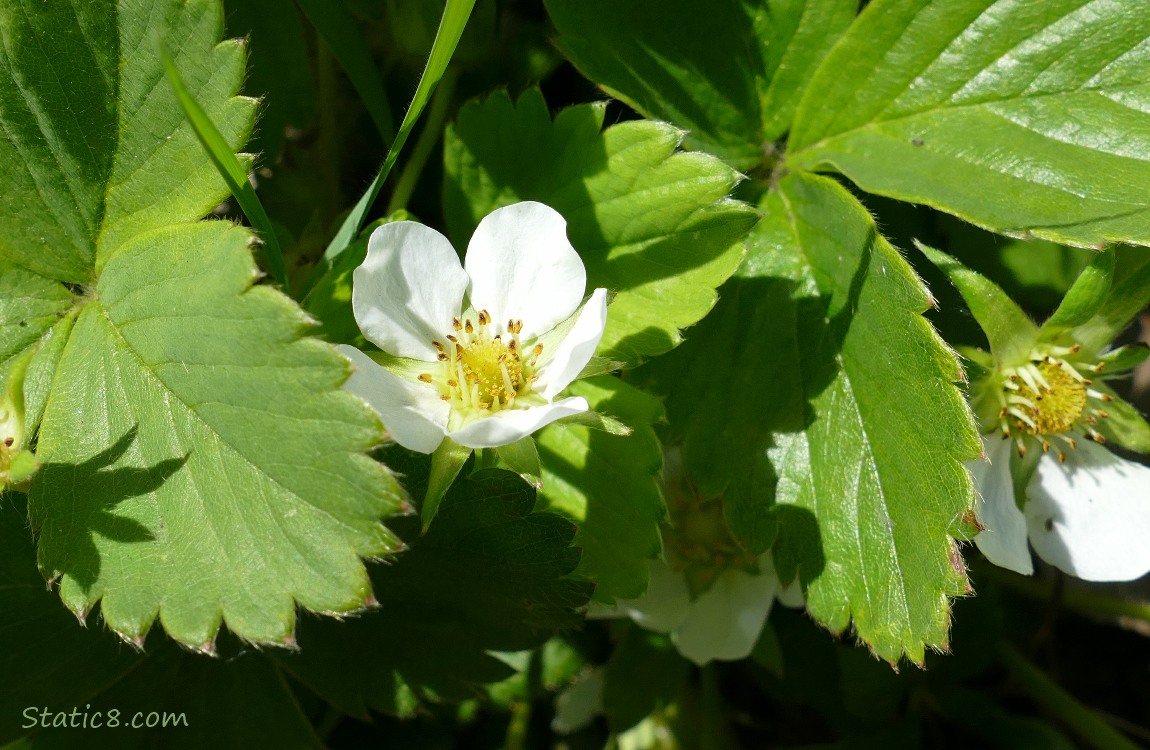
[
  {"x": 489, "y": 575},
  {"x": 644, "y": 673}
]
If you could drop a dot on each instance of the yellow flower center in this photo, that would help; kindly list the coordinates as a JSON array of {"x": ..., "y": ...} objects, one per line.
[
  {"x": 484, "y": 369},
  {"x": 1048, "y": 397}
]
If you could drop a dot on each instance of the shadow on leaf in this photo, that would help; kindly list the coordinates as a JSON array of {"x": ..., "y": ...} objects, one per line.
[{"x": 72, "y": 502}]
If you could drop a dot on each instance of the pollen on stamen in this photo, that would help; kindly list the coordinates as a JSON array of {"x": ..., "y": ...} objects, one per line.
[
  {"x": 438, "y": 346},
  {"x": 537, "y": 350},
  {"x": 442, "y": 356},
  {"x": 425, "y": 377},
  {"x": 468, "y": 327},
  {"x": 484, "y": 318},
  {"x": 457, "y": 324}
]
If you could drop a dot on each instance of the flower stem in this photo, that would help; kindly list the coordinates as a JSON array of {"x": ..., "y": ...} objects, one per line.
[
  {"x": 1096, "y": 732},
  {"x": 432, "y": 130},
  {"x": 1082, "y": 602},
  {"x": 711, "y": 726}
]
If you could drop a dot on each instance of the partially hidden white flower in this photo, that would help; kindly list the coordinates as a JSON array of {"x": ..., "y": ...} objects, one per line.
[
  {"x": 484, "y": 348},
  {"x": 724, "y": 622},
  {"x": 1087, "y": 512}
]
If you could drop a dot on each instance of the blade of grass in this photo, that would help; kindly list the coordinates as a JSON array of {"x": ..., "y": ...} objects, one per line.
[
  {"x": 451, "y": 27},
  {"x": 339, "y": 30},
  {"x": 230, "y": 169}
]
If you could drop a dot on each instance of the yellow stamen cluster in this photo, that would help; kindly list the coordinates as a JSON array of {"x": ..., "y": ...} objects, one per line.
[
  {"x": 1049, "y": 398},
  {"x": 483, "y": 365}
]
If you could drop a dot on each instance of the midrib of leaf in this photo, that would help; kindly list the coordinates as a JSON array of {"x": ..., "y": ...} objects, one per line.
[
  {"x": 866, "y": 456},
  {"x": 948, "y": 105}
]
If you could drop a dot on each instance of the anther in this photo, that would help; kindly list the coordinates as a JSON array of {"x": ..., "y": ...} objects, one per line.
[
  {"x": 446, "y": 397},
  {"x": 512, "y": 346},
  {"x": 1102, "y": 413},
  {"x": 1061, "y": 457},
  {"x": 452, "y": 383},
  {"x": 457, "y": 324},
  {"x": 1045, "y": 446},
  {"x": 425, "y": 378},
  {"x": 1097, "y": 437},
  {"x": 484, "y": 318},
  {"x": 438, "y": 346},
  {"x": 1098, "y": 367},
  {"x": 452, "y": 339},
  {"x": 468, "y": 327},
  {"x": 537, "y": 350},
  {"x": 1076, "y": 348},
  {"x": 442, "y": 356}
]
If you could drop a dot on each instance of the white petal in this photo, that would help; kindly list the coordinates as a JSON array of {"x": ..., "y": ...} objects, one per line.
[
  {"x": 1090, "y": 517},
  {"x": 575, "y": 351},
  {"x": 408, "y": 289},
  {"x": 789, "y": 596},
  {"x": 726, "y": 620},
  {"x": 1004, "y": 541},
  {"x": 578, "y": 704},
  {"x": 412, "y": 412},
  {"x": 661, "y": 608},
  {"x": 522, "y": 267},
  {"x": 505, "y": 427}
]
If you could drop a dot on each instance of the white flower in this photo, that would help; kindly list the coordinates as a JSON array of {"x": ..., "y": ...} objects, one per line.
[
  {"x": 1088, "y": 514},
  {"x": 485, "y": 373},
  {"x": 723, "y": 622}
]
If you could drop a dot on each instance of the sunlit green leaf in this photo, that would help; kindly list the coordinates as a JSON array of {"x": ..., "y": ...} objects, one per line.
[
  {"x": 728, "y": 72},
  {"x": 199, "y": 462},
  {"x": 1025, "y": 118}
]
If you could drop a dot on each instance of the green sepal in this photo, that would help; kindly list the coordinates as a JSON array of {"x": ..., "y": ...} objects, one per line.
[
  {"x": 520, "y": 457},
  {"x": 1124, "y": 426},
  {"x": 446, "y": 462},
  {"x": 1124, "y": 357},
  {"x": 1129, "y": 295},
  {"x": 597, "y": 421},
  {"x": 12, "y": 403},
  {"x": 1009, "y": 330},
  {"x": 21, "y": 468},
  {"x": 1089, "y": 293},
  {"x": 599, "y": 366}
]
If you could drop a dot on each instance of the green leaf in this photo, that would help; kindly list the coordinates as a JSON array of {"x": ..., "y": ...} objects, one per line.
[
  {"x": 1024, "y": 118},
  {"x": 29, "y": 306},
  {"x": 200, "y": 462},
  {"x": 826, "y": 405},
  {"x": 1086, "y": 297},
  {"x": 730, "y": 74},
  {"x": 1011, "y": 333},
  {"x": 229, "y": 167},
  {"x": 489, "y": 575},
  {"x": 653, "y": 224},
  {"x": 644, "y": 673},
  {"x": 97, "y": 148},
  {"x": 51, "y": 664},
  {"x": 608, "y": 485}
]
